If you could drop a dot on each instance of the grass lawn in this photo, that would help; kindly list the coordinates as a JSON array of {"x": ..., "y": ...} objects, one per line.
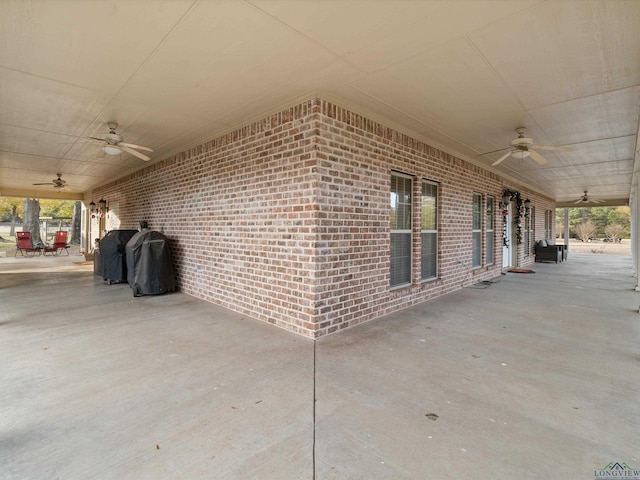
[
  {"x": 7, "y": 246},
  {"x": 598, "y": 247}
]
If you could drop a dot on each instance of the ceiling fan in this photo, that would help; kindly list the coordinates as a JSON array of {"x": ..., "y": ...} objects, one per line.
[
  {"x": 113, "y": 144},
  {"x": 56, "y": 182},
  {"x": 586, "y": 199},
  {"x": 522, "y": 147}
]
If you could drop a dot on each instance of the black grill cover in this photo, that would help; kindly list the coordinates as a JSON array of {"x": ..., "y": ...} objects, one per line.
[
  {"x": 149, "y": 266},
  {"x": 112, "y": 254},
  {"x": 97, "y": 262}
]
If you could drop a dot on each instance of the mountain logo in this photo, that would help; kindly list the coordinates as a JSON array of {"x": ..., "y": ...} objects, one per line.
[{"x": 618, "y": 470}]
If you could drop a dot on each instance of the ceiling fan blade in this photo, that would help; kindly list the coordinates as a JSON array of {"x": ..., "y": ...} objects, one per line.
[
  {"x": 578, "y": 201},
  {"x": 48, "y": 183},
  {"x": 551, "y": 147},
  {"x": 134, "y": 153},
  {"x": 494, "y": 151},
  {"x": 501, "y": 159},
  {"x": 96, "y": 139},
  {"x": 537, "y": 157},
  {"x": 133, "y": 145}
]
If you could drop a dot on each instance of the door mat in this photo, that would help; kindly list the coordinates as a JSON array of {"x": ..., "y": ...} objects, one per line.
[
  {"x": 482, "y": 284},
  {"x": 521, "y": 270}
]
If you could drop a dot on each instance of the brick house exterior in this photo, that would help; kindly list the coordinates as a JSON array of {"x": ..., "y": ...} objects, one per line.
[{"x": 287, "y": 219}]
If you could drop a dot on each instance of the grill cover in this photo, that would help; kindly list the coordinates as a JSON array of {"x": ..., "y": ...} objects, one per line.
[
  {"x": 97, "y": 262},
  {"x": 150, "y": 270},
  {"x": 112, "y": 254}
]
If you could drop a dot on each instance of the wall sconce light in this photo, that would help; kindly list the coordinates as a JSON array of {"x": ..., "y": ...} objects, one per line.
[
  {"x": 527, "y": 208},
  {"x": 100, "y": 210},
  {"x": 506, "y": 200}
]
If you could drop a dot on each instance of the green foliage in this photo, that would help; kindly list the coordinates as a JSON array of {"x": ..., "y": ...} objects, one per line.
[
  {"x": 57, "y": 208},
  {"x": 7, "y": 205},
  {"x": 600, "y": 217},
  {"x": 48, "y": 208}
]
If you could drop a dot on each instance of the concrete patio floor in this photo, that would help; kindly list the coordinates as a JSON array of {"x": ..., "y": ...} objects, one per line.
[{"x": 532, "y": 376}]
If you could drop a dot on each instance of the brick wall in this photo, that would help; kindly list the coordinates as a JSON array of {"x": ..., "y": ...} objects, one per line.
[
  {"x": 287, "y": 219},
  {"x": 240, "y": 212}
]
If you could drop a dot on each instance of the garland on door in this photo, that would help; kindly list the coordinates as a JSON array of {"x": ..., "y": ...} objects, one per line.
[{"x": 517, "y": 216}]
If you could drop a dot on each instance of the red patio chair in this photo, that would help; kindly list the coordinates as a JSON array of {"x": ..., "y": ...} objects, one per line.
[
  {"x": 59, "y": 245},
  {"x": 24, "y": 245}
]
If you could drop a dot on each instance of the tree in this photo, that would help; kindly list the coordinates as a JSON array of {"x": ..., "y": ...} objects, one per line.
[
  {"x": 585, "y": 230},
  {"x": 11, "y": 208},
  {"x": 600, "y": 217},
  {"x": 75, "y": 223},
  {"x": 32, "y": 219},
  {"x": 622, "y": 216},
  {"x": 559, "y": 228},
  {"x": 614, "y": 231}
]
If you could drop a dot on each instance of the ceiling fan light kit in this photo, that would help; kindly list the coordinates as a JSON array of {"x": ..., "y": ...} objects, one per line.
[
  {"x": 56, "y": 182},
  {"x": 586, "y": 199},
  {"x": 111, "y": 150},
  {"x": 520, "y": 154},
  {"x": 523, "y": 147},
  {"x": 113, "y": 144}
]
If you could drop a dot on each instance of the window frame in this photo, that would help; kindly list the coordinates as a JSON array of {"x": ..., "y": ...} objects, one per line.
[
  {"x": 408, "y": 215},
  {"x": 532, "y": 230},
  {"x": 525, "y": 235},
  {"x": 431, "y": 232},
  {"x": 547, "y": 224},
  {"x": 476, "y": 230},
  {"x": 489, "y": 233}
]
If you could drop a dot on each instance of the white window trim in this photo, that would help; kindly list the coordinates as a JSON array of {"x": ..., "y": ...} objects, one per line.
[
  {"x": 476, "y": 230},
  {"x": 409, "y": 231},
  {"x": 491, "y": 230},
  {"x": 437, "y": 275}
]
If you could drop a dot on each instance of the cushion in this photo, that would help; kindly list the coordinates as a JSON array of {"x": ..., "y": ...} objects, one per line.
[{"x": 542, "y": 243}]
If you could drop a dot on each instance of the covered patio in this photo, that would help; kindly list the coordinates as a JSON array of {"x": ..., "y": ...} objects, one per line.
[{"x": 529, "y": 376}]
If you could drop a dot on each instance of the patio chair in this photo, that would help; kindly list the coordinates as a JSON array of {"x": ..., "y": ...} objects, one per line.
[
  {"x": 24, "y": 245},
  {"x": 59, "y": 245},
  {"x": 546, "y": 252}
]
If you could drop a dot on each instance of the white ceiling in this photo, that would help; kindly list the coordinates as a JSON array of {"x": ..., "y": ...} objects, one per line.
[{"x": 460, "y": 74}]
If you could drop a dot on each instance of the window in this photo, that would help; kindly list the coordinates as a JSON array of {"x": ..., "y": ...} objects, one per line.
[
  {"x": 400, "y": 229},
  {"x": 547, "y": 224},
  {"x": 525, "y": 236},
  {"x": 532, "y": 230},
  {"x": 429, "y": 230},
  {"x": 477, "y": 231},
  {"x": 489, "y": 235}
]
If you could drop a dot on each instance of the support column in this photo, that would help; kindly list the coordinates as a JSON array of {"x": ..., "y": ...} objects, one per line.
[
  {"x": 634, "y": 231},
  {"x": 635, "y": 244},
  {"x": 566, "y": 233}
]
